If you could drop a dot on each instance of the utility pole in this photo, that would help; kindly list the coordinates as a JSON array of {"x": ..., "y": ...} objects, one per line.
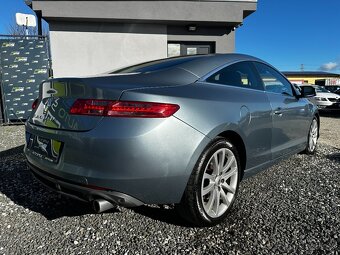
[
  {"x": 25, "y": 20},
  {"x": 302, "y": 68},
  {"x": 26, "y": 27}
]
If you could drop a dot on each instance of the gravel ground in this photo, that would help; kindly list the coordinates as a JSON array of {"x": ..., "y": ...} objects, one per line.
[
  {"x": 330, "y": 130},
  {"x": 292, "y": 208},
  {"x": 11, "y": 137}
]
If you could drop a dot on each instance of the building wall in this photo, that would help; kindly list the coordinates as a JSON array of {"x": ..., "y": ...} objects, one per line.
[
  {"x": 90, "y": 50},
  {"x": 309, "y": 80},
  {"x": 222, "y": 36}
]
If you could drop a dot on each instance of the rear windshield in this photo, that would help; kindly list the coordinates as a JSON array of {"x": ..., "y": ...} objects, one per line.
[{"x": 155, "y": 65}]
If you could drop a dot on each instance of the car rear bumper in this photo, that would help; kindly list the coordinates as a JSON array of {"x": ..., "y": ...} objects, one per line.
[
  {"x": 82, "y": 192},
  {"x": 143, "y": 160}
]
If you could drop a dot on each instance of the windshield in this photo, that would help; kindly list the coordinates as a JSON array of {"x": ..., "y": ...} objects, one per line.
[{"x": 320, "y": 89}]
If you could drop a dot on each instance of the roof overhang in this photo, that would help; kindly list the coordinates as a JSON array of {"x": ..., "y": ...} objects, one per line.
[{"x": 209, "y": 12}]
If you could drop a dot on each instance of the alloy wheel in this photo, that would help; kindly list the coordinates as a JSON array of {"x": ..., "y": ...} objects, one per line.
[
  {"x": 313, "y": 135},
  {"x": 219, "y": 182}
]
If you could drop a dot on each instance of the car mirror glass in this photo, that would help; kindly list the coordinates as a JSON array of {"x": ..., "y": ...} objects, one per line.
[{"x": 308, "y": 91}]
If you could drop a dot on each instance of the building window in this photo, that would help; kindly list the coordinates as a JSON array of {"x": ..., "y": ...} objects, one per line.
[{"x": 176, "y": 49}]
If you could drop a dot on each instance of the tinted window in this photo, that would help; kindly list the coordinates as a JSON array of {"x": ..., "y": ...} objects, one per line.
[
  {"x": 273, "y": 81},
  {"x": 321, "y": 89},
  {"x": 239, "y": 75}
]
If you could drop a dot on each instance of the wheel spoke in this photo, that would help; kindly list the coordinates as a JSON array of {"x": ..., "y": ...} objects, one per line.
[
  {"x": 210, "y": 177},
  {"x": 224, "y": 198},
  {"x": 310, "y": 143},
  {"x": 216, "y": 170},
  {"x": 228, "y": 187},
  {"x": 217, "y": 201},
  {"x": 315, "y": 129},
  {"x": 230, "y": 161},
  {"x": 208, "y": 189},
  {"x": 315, "y": 140},
  {"x": 221, "y": 161},
  {"x": 211, "y": 201},
  {"x": 230, "y": 173}
]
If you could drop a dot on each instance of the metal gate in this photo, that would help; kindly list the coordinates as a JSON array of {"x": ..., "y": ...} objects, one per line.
[{"x": 24, "y": 64}]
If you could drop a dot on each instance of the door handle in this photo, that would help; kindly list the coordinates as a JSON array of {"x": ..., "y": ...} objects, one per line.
[{"x": 278, "y": 111}]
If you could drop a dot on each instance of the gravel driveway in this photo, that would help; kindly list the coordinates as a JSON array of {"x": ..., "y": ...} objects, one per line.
[{"x": 292, "y": 208}]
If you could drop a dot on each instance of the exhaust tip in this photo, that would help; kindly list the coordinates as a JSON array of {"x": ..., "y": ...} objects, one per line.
[{"x": 101, "y": 205}]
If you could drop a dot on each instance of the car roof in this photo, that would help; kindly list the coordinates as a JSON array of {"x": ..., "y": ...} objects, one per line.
[
  {"x": 204, "y": 64},
  {"x": 198, "y": 65}
]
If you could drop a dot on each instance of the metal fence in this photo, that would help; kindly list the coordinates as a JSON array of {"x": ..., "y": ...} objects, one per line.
[{"x": 24, "y": 64}]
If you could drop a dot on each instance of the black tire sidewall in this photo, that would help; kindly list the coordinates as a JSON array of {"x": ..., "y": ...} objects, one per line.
[{"x": 216, "y": 145}]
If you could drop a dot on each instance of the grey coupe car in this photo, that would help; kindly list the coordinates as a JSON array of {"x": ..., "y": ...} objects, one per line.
[{"x": 181, "y": 131}]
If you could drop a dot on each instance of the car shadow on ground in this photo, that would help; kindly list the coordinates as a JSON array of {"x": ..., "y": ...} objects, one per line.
[
  {"x": 331, "y": 114},
  {"x": 166, "y": 214},
  {"x": 18, "y": 185},
  {"x": 334, "y": 156}
]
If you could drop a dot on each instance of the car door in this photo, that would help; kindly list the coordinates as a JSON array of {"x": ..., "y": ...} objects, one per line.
[
  {"x": 252, "y": 105},
  {"x": 290, "y": 115}
]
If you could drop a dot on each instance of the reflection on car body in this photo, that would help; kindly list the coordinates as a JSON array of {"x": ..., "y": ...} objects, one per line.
[{"x": 181, "y": 131}]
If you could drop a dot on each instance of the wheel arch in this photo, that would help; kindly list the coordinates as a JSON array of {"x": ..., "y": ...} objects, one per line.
[{"x": 237, "y": 141}]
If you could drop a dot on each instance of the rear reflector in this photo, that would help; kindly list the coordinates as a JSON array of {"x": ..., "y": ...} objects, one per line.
[
  {"x": 35, "y": 103},
  {"x": 128, "y": 109}
]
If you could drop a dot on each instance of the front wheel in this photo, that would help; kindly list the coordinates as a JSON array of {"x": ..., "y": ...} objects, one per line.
[
  {"x": 213, "y": 185},
  {"x": 313, "y": 136}
]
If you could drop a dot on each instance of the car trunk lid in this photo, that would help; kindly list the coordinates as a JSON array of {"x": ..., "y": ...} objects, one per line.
[{"x": 58, "y": 95}]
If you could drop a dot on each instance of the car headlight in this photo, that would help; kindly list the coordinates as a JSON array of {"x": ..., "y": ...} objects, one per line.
[{"x": 321, "y": 99}]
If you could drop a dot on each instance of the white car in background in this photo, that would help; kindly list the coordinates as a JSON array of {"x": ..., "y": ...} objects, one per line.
[{"x": 324, "y": 99}]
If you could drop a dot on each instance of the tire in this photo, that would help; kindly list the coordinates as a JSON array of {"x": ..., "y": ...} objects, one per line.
[
  {"x": 200, "y": 204},
  {"x": 313, "y": 135}
]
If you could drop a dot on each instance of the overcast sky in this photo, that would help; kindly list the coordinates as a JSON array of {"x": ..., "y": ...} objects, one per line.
[{"x": 286, "y": 33}]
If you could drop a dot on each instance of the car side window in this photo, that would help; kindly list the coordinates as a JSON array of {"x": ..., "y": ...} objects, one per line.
[
  {"x": 241, "y": 74},
  {"x": 273, "y": 81}
]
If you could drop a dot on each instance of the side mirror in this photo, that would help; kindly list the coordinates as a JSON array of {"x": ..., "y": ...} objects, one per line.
[
  {"x": 307, "y": 91},
  {"x": 297, "y": 90}
]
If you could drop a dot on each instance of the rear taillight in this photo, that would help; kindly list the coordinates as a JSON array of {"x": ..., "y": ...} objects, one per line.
[
  {"x": 35, "y": 103},
  {"x": 122, "y": 108}
]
